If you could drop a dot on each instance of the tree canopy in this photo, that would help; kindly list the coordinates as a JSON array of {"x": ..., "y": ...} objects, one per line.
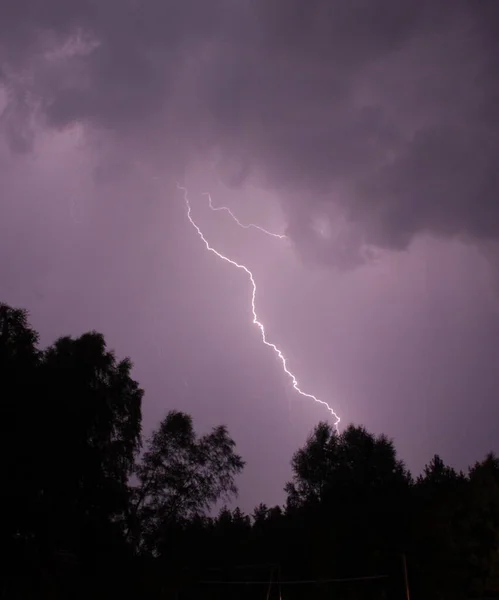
[
  {"x": 181, "y": 476},
  {"x": 91, "y": 507}
]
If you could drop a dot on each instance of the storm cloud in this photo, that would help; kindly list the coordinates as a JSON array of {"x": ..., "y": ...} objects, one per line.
[
  {"x": 386, "y": 112},
  {"x": 366, "y": 130}
]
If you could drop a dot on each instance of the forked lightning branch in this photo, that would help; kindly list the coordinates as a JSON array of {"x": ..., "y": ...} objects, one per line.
[{"x": 249, "y": 274}]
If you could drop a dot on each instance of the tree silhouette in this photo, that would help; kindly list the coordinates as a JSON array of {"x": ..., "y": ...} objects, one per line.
[
  {"x": 350, "y": 487},
  {"x": 482, "y": 533},
  {"x": 83, "y": 515},
  {"x": 349, "y": 463},
  {"x": 17, "y": 341},
  {"x": 21, "y": 426},
  {"x": 95, "y": 416},
  {"x": 182, "y": 476}
]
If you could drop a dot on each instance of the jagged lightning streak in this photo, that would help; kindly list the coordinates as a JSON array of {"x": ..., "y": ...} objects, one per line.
[
  {"x": 248, "y": 226},
  {"x": 256, "y": 322}
]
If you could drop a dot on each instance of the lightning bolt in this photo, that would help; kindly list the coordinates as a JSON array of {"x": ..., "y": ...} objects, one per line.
[
  {"x": 256, "y": 322},
  {"x": 248, "y": 226}
]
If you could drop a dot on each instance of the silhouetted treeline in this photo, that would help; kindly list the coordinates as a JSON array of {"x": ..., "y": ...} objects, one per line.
[{"x": 91, "y": 509}]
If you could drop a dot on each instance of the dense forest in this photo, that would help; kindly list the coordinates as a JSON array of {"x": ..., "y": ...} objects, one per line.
[{"x": 92, "y": 509}]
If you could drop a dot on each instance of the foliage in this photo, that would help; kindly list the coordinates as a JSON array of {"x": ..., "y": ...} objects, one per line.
[
  {"x": 182, "y": 476},
  {"x": 354, "y": 462},
  {"x": 71, "y": 425},
  {"x": 83, "y": 514}
]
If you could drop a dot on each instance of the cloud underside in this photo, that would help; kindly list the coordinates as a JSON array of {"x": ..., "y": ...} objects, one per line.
[{"x": 384, "y": 112}]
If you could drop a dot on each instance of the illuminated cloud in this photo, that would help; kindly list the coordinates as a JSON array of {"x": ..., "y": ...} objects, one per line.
[
  {"x": 396, "y": 108},
  {"x": 356, "y": 128}
]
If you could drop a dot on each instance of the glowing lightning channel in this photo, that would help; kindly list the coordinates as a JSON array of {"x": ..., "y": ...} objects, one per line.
[
  {"x": 253, "y": 300},
  {"x": 249, "y": 225}
]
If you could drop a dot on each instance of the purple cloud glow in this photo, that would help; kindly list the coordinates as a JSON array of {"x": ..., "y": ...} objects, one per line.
[{"x": 368, "y": 136}]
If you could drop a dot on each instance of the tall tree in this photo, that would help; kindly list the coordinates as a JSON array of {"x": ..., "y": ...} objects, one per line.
[
  {"x": 349, "y": 463},
  {"x": 71, "y": 421},
  {"x": 181, "y": 476},
  {"x": 350, "y": 487},
  {"x": 93, "y": 421},
  {"x": 18, "y": 341},
  {"x": 439, "y": 517},
  {"x": 20, "y": 424},
  {"x": 483, "y": 532}
]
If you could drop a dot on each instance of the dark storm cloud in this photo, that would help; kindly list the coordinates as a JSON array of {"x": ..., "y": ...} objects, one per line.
[{"x": 386, "y": 110}]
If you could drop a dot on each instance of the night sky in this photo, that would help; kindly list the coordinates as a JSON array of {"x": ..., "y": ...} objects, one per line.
[{"x": 366, "y": 131}]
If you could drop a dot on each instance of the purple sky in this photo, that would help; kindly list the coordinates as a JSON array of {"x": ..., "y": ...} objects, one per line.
[{"x": 373, "y": 123}]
